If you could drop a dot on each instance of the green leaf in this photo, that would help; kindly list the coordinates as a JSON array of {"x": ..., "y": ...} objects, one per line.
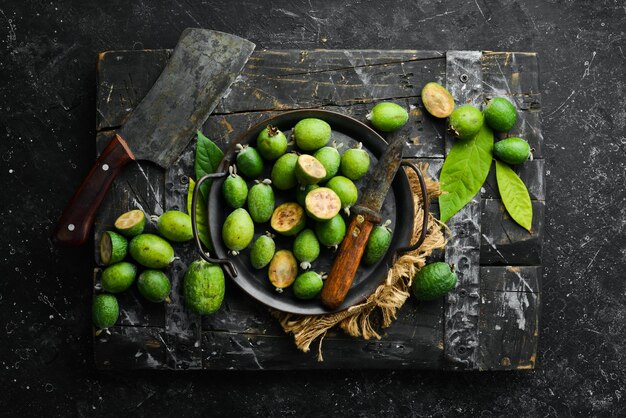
[
  {"x": 201, "y": 216},
  {"x": 208, "y": 157},
  {"x": 514, "y": 195},
  {"x": 464, "y": 171}
]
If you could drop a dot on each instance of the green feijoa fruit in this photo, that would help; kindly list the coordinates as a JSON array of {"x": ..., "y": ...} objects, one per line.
[
  {"x": 309, "y": 170},
  {"x": 433, "y": 281},
  {"x": 113, "y": 247},
  {"x": 271, "y": 143},
  {"x": 345, "y": 189},
  {"x": 355, "y": 162},
  {"x": 204, "y": 287},
  {"x": 500, "y": 114},
  {"x": 175, "y": 226},
  {"x": 154, "y": 285},
  {"x": 261, "y": 202},
  {"x": 283, "y": 172},
  {"x": 322, "y": 204},
  {"x": 377, "y": 245},
  {"x": 262, "y": 251},
  {"x": 331, "y": 233},
  {"x": 512, "y": 150},
  {"x": 465, "y": 121},
  {"x": 104, "y": 311},
  {"x": 308, "y": 285},
  {"x": 311, "y": 134},
  {"x": 118, "y": 277},
  {"x": 302, "y": 192},
  {"x": 437, "y": 100},
  {"x": 249, "y": 162},
  {"x": 283, "y": 269},
  {"x": 306, "y": 248},
  {"x": 288, "y": 219},
  {"x": 388, "y": 116},
  {"x": 330, "y": 159},
  {"x": 235, "y": 191},
  {"x": 238, "y": 230},
  {"x": 151, "y": 251},
  {"x": 131, "y": 223}
]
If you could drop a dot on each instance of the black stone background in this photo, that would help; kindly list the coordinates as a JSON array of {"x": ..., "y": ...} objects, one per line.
[{"x": 47, "y": 116}]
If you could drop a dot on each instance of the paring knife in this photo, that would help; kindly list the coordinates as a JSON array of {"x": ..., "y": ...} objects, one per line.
[
  {"x": 365, "y": 215},
  {"x": 203, "y": 66}
]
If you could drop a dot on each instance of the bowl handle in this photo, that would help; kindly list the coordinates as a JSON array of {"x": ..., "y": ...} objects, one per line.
[
  {"x": 227, "y": 264},
  {"x": 425, "y": 207}
]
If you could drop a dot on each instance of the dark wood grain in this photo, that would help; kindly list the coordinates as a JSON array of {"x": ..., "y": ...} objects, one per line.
[{"x": 243, "y": 335}]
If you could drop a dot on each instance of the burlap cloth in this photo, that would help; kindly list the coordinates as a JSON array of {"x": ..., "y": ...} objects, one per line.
[{"x": 382, "y": 305}]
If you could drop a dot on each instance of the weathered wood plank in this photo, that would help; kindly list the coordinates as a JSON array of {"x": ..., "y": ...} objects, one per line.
[
  {"x": 182, "y": 327},
  {"x": 504, "y": 242},
  {"x": 509, "y": 317},
  {"x": 406, "y": 343},
  {"x": 511, "y": 73},
  {"x": 511, "y": 278},
  {"x": 286, "y": 62},
  {"x": 130, "y": 348},
  {"x": 461, "y": 339},
  {"x": 344, "y": 85}
]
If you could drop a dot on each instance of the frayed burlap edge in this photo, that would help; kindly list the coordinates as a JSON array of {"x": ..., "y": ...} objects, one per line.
[{"x": 388, "y": 297}]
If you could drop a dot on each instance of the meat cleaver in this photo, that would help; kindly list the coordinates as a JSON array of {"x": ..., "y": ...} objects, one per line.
[{"x": 203, "y": 66}]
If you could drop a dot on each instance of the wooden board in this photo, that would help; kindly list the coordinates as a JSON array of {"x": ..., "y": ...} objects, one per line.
[{"x": 489, "y": 322}]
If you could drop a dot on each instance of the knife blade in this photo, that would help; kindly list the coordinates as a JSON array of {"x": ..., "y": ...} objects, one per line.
[
  {"x": 364, "y": 216},
  {"x": 202, "y": 67}
]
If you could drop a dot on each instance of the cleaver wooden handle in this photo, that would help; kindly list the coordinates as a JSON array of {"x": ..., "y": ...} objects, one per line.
[
  {"x": 75, "y": 224},
  {"x": 347, "y": 262}
]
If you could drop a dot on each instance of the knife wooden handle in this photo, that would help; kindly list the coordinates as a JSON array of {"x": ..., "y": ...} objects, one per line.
[
  {"x": 75, "y": 223},
  {"x": 347, "y": 262}
]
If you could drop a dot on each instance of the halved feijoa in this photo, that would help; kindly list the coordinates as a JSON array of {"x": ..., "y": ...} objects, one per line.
[
  {"x": 288, "y": 219},
  {"x": 131, "y": 223},
  {"x": 322, "y": 204},
  {"x": 309, "y": 170},
  {"x": 283, "y": 269},
  {"x": 437, "y": 100},
  {"x": 113, "y": 247}
]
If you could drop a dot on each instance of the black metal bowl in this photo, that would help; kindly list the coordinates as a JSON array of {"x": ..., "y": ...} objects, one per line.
[{"x": 398, "y": 208}]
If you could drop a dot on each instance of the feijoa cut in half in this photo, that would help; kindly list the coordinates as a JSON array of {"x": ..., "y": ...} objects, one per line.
[
  {"x": 283, "y": 269},
  {"x": 322, "y": 204},
  {"x": 131, "y": 223},
  {"x": 309, "y": 170},
  {"x": 113, "y": 247},
  {"x": 288, "y": 219},
  {"x": 437, "y": 100}
]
